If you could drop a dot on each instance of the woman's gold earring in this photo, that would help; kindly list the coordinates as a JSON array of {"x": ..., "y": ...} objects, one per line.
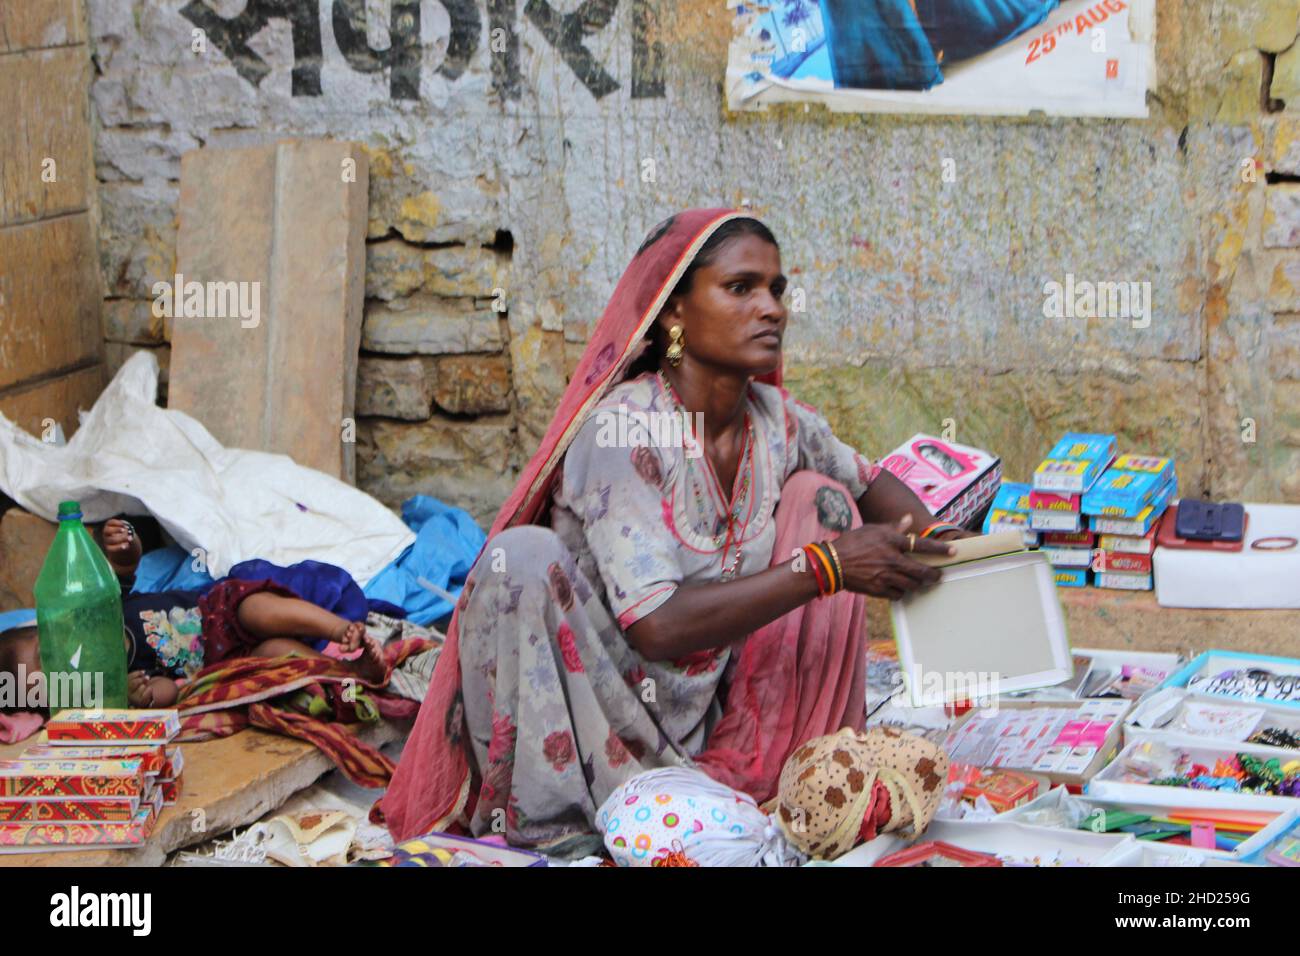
[{"x": 676, "y": 346}]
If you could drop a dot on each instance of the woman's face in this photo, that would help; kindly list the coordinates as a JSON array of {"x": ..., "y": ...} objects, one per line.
[{"x": 733, "y": 317}]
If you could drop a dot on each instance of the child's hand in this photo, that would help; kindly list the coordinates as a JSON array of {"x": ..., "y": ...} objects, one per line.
[
  {"x": 145, "y": 691},
  {"x": 138, "y": 693},
  {"x": 350, "y": 636},
  {"x": 121, "y": 546}
]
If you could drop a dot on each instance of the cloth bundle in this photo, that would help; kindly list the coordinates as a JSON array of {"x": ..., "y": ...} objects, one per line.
[
  {"x": 673, "y": 811},
  {"x": 842, "y": 789}
]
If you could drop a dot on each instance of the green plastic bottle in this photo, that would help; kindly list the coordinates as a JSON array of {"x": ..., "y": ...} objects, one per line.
[{"x": 79, "y": 620}]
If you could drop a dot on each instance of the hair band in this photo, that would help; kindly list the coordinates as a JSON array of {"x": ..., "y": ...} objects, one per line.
[{"x": 1278, "y": 542}]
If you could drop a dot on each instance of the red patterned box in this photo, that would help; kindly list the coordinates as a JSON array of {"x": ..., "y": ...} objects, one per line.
[
  {"x": 152, "y": 757},
  {"x": 71, "y": 779},
  {"x": 153, "y": 798},
  {"x": 1121, "y": 562},
  {"x": 63, "y": 812},
  {"x": 175, "y": 764},
  {"x": 112, "y": 810},
  {"x": 1069, "y": 539},
  {"x": 1048, "y": 501},
  {"x": 171, "y": 791},
  {"x": 42, "y": 837},
  {"x": 118, "y": 726}
]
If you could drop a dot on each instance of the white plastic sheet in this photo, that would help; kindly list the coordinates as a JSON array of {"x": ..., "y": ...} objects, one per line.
[{"x": 130, "y": 456}]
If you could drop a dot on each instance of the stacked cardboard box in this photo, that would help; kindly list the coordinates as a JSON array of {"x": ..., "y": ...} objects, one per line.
[
  {"x": 1070, "y": 553},
  {"x": 1123, "y": 508},
  {"x": 1070, "y": 470},
  {"x": 101, "y": 780},
  {"x": 1010, "y": 512}
]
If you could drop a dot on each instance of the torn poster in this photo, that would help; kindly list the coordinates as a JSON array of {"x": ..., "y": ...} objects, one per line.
[{"x": 1000, "y": 57}]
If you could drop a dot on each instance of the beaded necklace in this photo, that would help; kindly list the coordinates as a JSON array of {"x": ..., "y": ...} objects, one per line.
[{"x": 740, "y": 489}]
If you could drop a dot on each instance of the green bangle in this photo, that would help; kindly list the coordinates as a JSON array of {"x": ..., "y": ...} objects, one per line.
[{"x": 839, "y": 571}]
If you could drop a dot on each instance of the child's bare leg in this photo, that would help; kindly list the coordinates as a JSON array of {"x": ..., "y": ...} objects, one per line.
[
  {"x": 268, "y": 615},
  {"x": 284, "y": 647},
  {"x": 369, "y": 666}
]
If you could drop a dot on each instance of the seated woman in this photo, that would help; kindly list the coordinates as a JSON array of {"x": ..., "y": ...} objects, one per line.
[
  {"x": 645, "y": 602},
  {"x": 171, "y": 635}
]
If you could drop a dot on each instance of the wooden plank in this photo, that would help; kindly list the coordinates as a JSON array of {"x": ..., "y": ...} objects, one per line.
[
  {"x": 46, "y": 168},
  {"x": 50, "y": 298},
  {"x": 54, "y": 400},
  {"x": 40, "y": 24},
  {"x": 284, "y": 228},
  {"x": 24, "y": 540}
]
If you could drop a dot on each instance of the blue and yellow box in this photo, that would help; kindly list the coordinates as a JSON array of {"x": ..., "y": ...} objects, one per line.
[
  {"x": 1128, "y": 486},
  {"x": 1075, "y": 463}
]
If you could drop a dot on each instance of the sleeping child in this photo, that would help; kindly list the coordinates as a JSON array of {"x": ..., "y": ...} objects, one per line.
[{"x": 171, "y": 635}]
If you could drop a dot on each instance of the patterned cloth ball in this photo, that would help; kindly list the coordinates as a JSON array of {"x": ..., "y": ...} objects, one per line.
[{"x": 679, "y": 810}]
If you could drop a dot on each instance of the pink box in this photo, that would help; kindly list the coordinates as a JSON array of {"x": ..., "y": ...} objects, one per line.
[
  {"x": 953, "y": 481},
  {"x": 1071, "y": 734},
  {"x": 1094, "y": 735}
]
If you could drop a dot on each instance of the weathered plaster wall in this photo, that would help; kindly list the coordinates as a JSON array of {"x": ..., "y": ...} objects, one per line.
[{"x": 508, "y": 145}]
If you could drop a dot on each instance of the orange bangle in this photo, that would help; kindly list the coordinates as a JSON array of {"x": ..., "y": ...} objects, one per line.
[
  {"x": 938, "y": 526},
  {"x": 816, "y": 570},
  {"x": 827, "y": 566}
]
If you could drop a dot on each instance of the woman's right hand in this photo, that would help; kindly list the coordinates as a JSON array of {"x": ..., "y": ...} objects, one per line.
[{"x": 875, "y": 559}]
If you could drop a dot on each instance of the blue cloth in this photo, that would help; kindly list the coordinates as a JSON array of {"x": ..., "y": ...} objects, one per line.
[
  {"x": 12, "y": 620},
  {"x": 170, "y": 569},
  {"x": 446, "y": 543}
]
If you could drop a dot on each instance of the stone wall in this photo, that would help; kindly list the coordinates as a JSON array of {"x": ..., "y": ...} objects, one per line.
[
  {"x": 519, "y": 151},
  {"x": 51, "y": 346}
]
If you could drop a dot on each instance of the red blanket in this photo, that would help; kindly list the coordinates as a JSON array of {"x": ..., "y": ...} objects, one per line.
[{"x": 310, "y": 698}]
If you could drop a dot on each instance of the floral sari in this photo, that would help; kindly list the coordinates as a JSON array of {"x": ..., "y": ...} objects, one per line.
[{"x": 539, "y": 707}]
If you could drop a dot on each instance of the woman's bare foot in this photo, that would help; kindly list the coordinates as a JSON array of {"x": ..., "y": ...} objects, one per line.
[
  {"x": 371, "y": 666},
  {"x": 350, "y": 635},
  {"x": 121, "y": 546}
]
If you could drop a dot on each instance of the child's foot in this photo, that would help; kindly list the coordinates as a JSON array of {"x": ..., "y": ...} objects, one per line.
[
  {"x": 350, "y": 635},
  {"x": 371, "y": 666},
  {"x": 121, "y": 546}
]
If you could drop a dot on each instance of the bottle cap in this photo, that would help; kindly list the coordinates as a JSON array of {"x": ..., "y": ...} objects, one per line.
[{"x": 69, "y": 511}]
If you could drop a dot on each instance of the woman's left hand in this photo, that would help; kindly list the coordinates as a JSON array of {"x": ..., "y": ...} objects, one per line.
[{"x": 956, "y": 533}]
